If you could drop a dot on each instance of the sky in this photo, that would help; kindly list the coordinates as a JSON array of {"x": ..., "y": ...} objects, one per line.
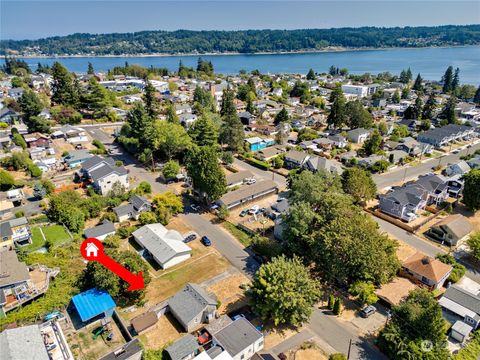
[{"x": 35, "y": 19}]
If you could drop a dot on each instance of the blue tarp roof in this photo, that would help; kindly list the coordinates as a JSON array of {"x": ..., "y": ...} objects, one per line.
[{"x": 92, "y": 302}]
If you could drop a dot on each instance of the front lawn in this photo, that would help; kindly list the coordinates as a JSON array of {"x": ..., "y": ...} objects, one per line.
[{"x": 241, "y": 235}]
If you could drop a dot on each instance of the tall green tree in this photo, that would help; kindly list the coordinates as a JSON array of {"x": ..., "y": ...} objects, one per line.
[
  {"x": 471, "y": 193},
  {"x": 204, "y": 132},
  {"x": 231, "y": 130},
  {"x": 7, "y": 181},
  {"x": 172, "y": 116},
  {"x": 150, "y": 100},
  {"x": 372, "y": 144},
  {"x": 415, "y": 325},
  {"x": 357, "y": 116},
  {"x": 203, "y": 98},
  {"x": 476, "y": 98},
  {"x": 448, "y": 112},
  {"x": 429, "y": 108},
  {"x": 90, "y": 70},
  {"x": 281, "y": 117},
  {"x": 363, "y": 292},
  {"x": 284, "y": 291},
  {"x": 98, "y": 99},
  {"x": 329, "y": 232},
  {"x": 359, "y": 184},
  {"x": 417, "y": 85},
  {"x": 414, "y": 111},
  {"x": 207, "y": 175},
  {"x": 168, "y": 138},
  {"x": 64, "y": 89},
  {"x": 311, "y": 75},
  {"x": 138, "y": 122},
  {"x": 456, "y": 80},
  {"x": 337, "y": 116},
  {"x": 30, "y": 104},
  {"x": 447, "y": 80}
]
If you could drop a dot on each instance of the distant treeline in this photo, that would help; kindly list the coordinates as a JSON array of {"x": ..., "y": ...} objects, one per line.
[{"x": 247, "y": 41}]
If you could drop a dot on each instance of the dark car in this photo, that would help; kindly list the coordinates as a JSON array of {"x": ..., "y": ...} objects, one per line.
[
  {"x": 189, "y": 238},
  {"x": 367, "y": 311},
  {"x": 243, "y": 213},
  {"x": 206, "y": 241}
]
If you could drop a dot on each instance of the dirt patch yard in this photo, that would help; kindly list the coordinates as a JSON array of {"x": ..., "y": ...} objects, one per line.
[
  {"x": 279, "y": 334},
  {"x": 165, "y": 331},
  {"x": 229, "y": 293},
  {"x": 307, "y": 354}
]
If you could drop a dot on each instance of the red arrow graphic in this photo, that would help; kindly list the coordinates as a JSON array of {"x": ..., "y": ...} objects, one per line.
[{"x": 92, "y": 250}]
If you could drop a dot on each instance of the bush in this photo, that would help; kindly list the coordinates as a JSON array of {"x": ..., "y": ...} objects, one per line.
[
  {"x": 112, "y": 241},
  {"x": 20, "y": 214},
  {"x": 19, "y": 140},
  {"x": 126, "y": 231},
  {"x": 223, "y": 212},
  {"x": 109, "y": 216},
  {"x": 337, "y": 356},
  {"x": 6, "y": 181},
  {"x": 278, "y": 162},
  {"x": 337, "y": 306},
  {"x": 143, "y": 188},
  {"x": 99, "y": 146},
  {"x": 147, "y": 217},
  {"x": 171, "y": 169},
  {"x": 259, "y": 164},
  {"x": 331, "y": 301},
  {"x": 458, "y": 269},
  {"x": 227, "y": 157}
]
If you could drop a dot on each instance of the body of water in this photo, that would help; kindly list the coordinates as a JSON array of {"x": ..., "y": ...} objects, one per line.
[{"x": 430, "y": 62}]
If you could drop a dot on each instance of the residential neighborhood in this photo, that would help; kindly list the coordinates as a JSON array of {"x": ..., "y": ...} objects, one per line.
[{"x": 317, "y": 215}]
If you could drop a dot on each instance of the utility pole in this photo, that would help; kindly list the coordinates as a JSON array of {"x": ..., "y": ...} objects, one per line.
[{"x": 349, "y": 348}]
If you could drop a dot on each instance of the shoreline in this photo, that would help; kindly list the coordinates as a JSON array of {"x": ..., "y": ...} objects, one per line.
[{"x": 299, "y": 52}]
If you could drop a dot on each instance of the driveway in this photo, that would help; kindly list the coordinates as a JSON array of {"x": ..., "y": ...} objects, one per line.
[{"x": 280, "y": 180}]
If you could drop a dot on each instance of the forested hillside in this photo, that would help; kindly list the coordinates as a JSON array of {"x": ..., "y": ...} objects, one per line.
[{"x": 248, "y": 41}]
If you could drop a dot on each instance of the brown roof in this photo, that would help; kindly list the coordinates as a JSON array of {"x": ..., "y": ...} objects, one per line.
[
  {"x": 427, "y": 266},
  {"x": 144, "y": 321},
  {"x": 458, "y": 225},
  {"x": 395, "y": 291}
]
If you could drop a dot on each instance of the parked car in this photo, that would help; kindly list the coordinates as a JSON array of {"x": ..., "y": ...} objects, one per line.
[
  {"x": 250, "y": 181},
  {"x": 206, "y": 241},
  {"x": 368, "y": 311},
  {"x": 455, "y": 151},
  {"x": 254, "y": 210},
  {"x": 195, "y": 207},
  {"x": 243, "y": 213},
  {"x": 189, "y": 238}
]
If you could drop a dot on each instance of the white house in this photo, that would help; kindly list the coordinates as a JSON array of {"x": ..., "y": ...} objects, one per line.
[
  {"x": 104, "y": 174},
  {"x": 165, "y": 246}
]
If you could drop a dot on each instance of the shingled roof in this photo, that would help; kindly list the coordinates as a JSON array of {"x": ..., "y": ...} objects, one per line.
[{"x": 427, "y": 266}]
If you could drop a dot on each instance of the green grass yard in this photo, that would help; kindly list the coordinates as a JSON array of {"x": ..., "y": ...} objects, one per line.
[{"x": 55, "y": 234}]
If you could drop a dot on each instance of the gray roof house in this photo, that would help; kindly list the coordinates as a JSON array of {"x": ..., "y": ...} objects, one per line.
[
  {"x": 240, "y": 339},
  {"x": 165, "y": 246},
  {"x": 295, "y": 159},
  {"x": 23, "y": 343},
  {"x": 104, "y": 174},
  {"x": 441, "y": 136},
  {"x": 129, "y": 351},
  {"x": 13, "y": 271},
  {"x": 358, "y": 136},
  {"x": 100, "y": 231},
  {"x": 462, "y": 303},
  {"x": 184, "y": 348},
  {"x": 77, "y": 157},
  {"x": 474, "y": 163},
  {"x": 459, "y": 168},
  {"x": 193, "y": 306},
  {"x": 404, "y": 202},
  {"x": 413, "y": 147},
  {"x": 451, "y": 229},
  {"x": 248, "y": 193},
  {"x": 136, "y": 205},
  {"x": 317, "y": 163}
]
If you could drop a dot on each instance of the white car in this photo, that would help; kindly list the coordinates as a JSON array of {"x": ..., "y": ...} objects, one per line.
[
  {"x": 195, "y": 207},
  {"x": 250, "y": 181},
  {"x": 254, "y": 210}
]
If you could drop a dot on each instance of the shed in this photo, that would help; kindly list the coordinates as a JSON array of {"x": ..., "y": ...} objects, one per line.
[
  {"x": 92, "y": 303},
  {"x": 144, "y": 321},
  {"x": 100, "y": 231},
  {"x": 460, "y": 331}
]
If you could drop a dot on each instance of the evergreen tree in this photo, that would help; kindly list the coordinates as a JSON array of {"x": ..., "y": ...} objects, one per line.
[
  {"x": 150, "y": 100},
  {"x": 172, "y": 116},
  {"x": 98, "y": 99},
  {"x": 203, "y": 131},
  {"x": 281, "y": 117},
  {"x": 337, "y": 306},
  {"x": 250, "y": 107},
  {"x": 311, "y": 75},
  {"x": 30, "y": 105},
  {"x": 64, "y": 91},
  {"x": 428, "y": 109},
  {"x": 372, "y": 144},
  {"x": 90, "y": 70},
  {"x": 449, "y": 110},
  {"x": 471, "y": 194},
  {"x": 333, "y": 70},
  {"x": 337, "y": 116},
  {"x": 396, "y": 97},
  {"x": 207, "y": 175},
  {"x": 203, "y": 98},
  {"x": 456, "y": 80},
  {"x": 138, "y": 122},
  {"x": 414, "y": 111},
  {"x": 447, "y": 80},
  {"x": 417, "y": 86},
  {"x": 476, "y": 98},
  {"x": 409, "y": 75},
  {"x": 357, "y": 115},
  {"x": 231, "y": 131}
]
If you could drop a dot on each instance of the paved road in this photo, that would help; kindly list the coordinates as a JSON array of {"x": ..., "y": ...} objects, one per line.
[
  {"x": 262, "y": 174},
  {"x": 411, "y": 172},
  {"x": 428, "y": 247},
  {"x": 224, "y": 242}
]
